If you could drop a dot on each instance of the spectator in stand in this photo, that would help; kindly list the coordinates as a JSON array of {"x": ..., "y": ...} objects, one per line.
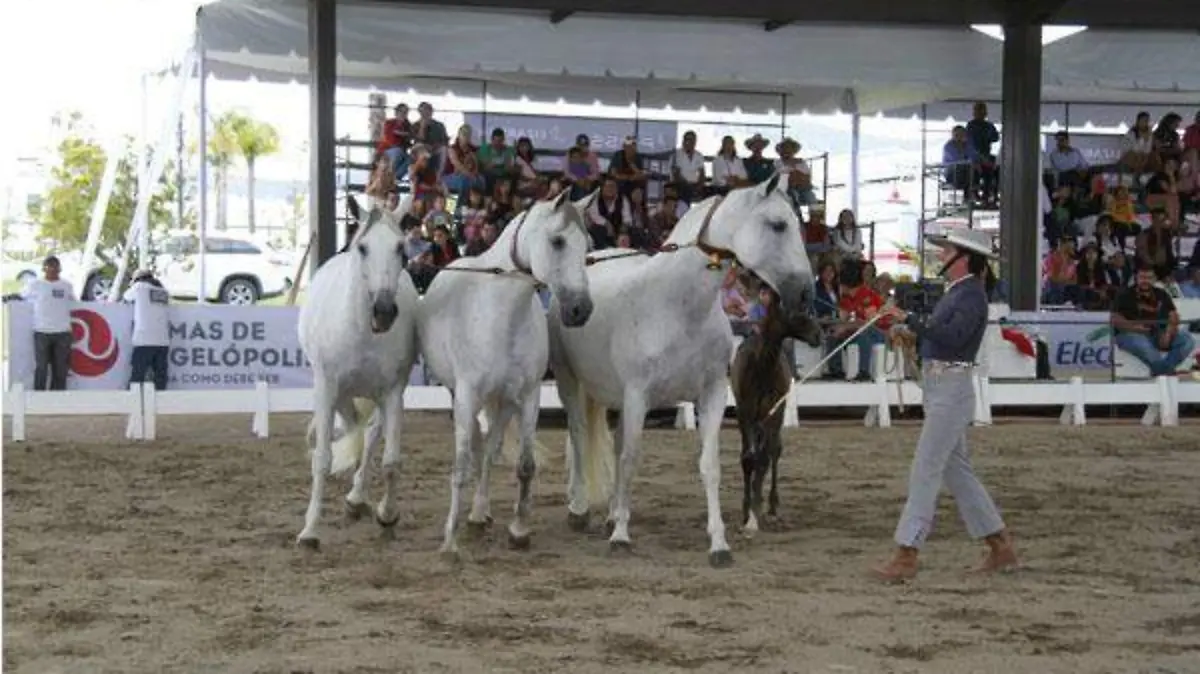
[
  {"x": 432, "y": 134},
  {"x": 1091, "y": 276},
  {"x": 884, "y": 285},
  {"x": 1067, "y": 163},
  {"x": 1058, "y": 274},
  {"x": 483, "y": 240},
  {"x": 1156, "y": 246},
  {"x": 1163, "y": 190},
  {"x": 758, "y": 168},
  {"x": 869, "y": 273},
  {"x": 497, "y": 160},
  {"x": 799, "y": 173},
  {"x": 1167, "y": 142},
  {"x": 554, "y": 188},
  {"x": 418, "y": 252},
  {"x": 1191, "y": 143},
  {"x": 1061, "y": 222},
  {"x": 859, "y": 303},
  {"x": 816, "y": 232},
  {"x": 1190, "y": 288},
  {"x": 1147, "y": 326},
  {"x": 728, "y": 170},
  {"x": 662, "y": 222},
  {"x": 1120, "y": 273},
  {"x": 396, "y": 139},
  {"x": 528, "y": 184},
  {"x": 502, "y": 208},
  {"x": 437, "y": 215},
  {"x": 639, "y": 226},
  {"x": 608, "y": 215},
  {"x": 982, "y": 134},
  {"x": 444, "y": 251},
  {"x": 960, "y": 161},
  {"x": 846, "y": 237},
  {"x": 1189, "y": 187},
  {"x": 826, "y": 309},
  {"x": 461, "y": 174},
  {"x": 627, "y": 167},
  {"x": 1106, "y": 240},
  {"x": 687, "y": 170},
  {"x": 52, "y": 297},
  {"x": 423, "y": 176},
  {"x": 734, "y": 303},
  {"x": 151, "y": 329},
  {"x": 1137, "y": 147},
  {"x": 473, "y": 215},
  {"x": 383, "y": 181},
  {"x": 1121, "y": 209},
  {"x": 581, "y": 168}
]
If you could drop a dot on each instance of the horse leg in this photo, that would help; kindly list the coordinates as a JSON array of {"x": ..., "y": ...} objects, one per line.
[
  {"x": 628, "y": 450},
  {"x": 748, "y": 519},
  {"x": 322, "y": 459},
  {"x": 391, "y": 413},
  {"x": 712, "y": 407},
  {"x": 518, "y": 531},
  {"x": 465, "y": 409},
  {"x": 762, "y": 463},
  {"x": 573, "y": 403},
  {"x": 486, "y": 449},
  {"x": 356, "y": 500},
  {"x": 773, "y": 504}
]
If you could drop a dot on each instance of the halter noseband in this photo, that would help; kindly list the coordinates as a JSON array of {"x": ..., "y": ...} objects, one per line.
[
  {"x": 716, "y": 255},
  {"x": 512, "y": 251}
]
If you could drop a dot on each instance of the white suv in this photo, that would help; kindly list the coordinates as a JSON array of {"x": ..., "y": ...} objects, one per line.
[{"x": 237, "y": 270}]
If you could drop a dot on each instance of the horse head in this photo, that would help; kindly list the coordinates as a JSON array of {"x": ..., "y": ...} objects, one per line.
[
  {"x": 556, "y": 246},
  {"x": 779, "y": 324},
  {"x": 760, "y": 228},
  {"x": 378, "y": 248}
]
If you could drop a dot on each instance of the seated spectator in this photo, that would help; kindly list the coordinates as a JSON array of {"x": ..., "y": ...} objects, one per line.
[
  {"x": 462, "y": 171},
  {"x": 662, "y": 222},
  {"x": 482, "y": 240},
  {"x": 846, "y": 237},
  {"x": 960, "y": 161},
  {"x": 418, "y": 253},
  {"x": 687, "y": 170},
  {"x": 397, "y": 138},
  {"x": 502, "y": 207},
  {"x": 734, "y": 304},
  {"x": 432, "y": 134},
  {"x": 1188, "y": 186},
  {"x": 1163, "y": 190},
  {"x": 382, "y": 181},
  {"x": 884, "y": 285},
  {"x": 758, "y": 168},
  {"x": 1191, "y": 143},
  {"x": 1058, "y": 274},
  {"x": 758, "y": 309},
  {"x": 554, "y": 187},
  {"x": 1121, "y": 209},
  {"x": 627, "y": 167},
  {"x": 423, "y": 176},
  {"x": 474, "y": 215},
  {"x": 497, "y": 160},
  {"x": 1190, "y": 287},
  {"x": 1105, "y": 239},
  {"x": 1061, "y": 222},
  {"x": 728, "y": 170},
  {"x": 859, "y": 303},
  {"x": 607, "y": 215},
  {"x": 799, "y": 173},
  {"x": 1147, "y": 326},
  {"x": 1137, "y": 147},
  {"x": 1120, "y": 273},
  {"x": 1167, "y": 142},
  {"x": 578, "y": 173},
  {"x": 1091, "y": 277},
  {"x": 640, "y": 227},
  {"x": 825, "y": 306},
  {"x": 816, "y": 232},
  {"x": 869, "y": 273},
  {"x": 1156, "y": 246},
  {"x": 444, "y": 251},
  {"x": 437, "y": 215},
  {"x": 528, "y": 184},
  {"x": 981, "y": 133},
  {"x": 1067, "y": 163}
]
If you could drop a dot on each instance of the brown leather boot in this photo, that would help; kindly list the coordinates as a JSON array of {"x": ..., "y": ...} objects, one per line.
[
  {"x": 901, "y": 567},
  {"x": 1001, "y": 555}
]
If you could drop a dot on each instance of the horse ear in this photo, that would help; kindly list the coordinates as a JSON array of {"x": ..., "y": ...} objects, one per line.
[
  {"x": 586, "y": 202},
  {"x": 562, "y": 199},
  {"x": 771, "y": 185}
]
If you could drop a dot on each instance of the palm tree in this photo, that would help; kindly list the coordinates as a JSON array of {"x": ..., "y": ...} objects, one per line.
[
  {"x": 253, "y": 139},
  {"x": 222, "y": 150}
]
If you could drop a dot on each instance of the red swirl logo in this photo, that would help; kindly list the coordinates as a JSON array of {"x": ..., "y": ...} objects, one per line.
[{"x": 94, "y": 351}]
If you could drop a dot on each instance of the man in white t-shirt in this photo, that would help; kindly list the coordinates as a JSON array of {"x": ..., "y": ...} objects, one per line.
[
  {"x": 52, "y": 298},
  {"x": 687, "y": 170},
  {"x": 151, "y": 329}
]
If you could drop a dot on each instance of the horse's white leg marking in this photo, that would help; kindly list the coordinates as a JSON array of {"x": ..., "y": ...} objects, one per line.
[
  {"x": 571, "y": 395},
  {"x": 633, "y": 418},
  {"x": 519, "y": 529},
  {"x": 487, "y": 448},
  {"x": 322, "y": 459},
  {"x": 392, "y": 413},
  {"x": 712, "y": 411},
  {"x": 362, "y": 477},
  {"x": 465, "y": 409}
]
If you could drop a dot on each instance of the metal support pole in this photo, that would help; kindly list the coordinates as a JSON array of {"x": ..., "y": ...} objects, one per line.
[
  {"x": 1067, "y": 117},
  {"x": 180, "y": 205},
  {"x": 483, "y": 132},
  {"x": 637, "y": 113},
  {"x": 921, "y": 177},
  {"x": 1020, "y": 151},
  {"x": 855, "y": 140},
  {"x": 783, "y": 116},
  {"x": 322, "y": 90},
  {"x": 202, "y": 216}
]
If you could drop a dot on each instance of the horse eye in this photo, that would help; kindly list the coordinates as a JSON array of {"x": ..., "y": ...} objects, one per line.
[
  {"x": 362, "y": 249},
  {"x": 779, "y": 226},
  {"x": 558, "y": 242}
]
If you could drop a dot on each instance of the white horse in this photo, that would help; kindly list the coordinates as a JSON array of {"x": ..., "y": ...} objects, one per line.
[
  {"x": 483, "y": 334},
  {"x": 358, "y": 329},
  {"x": 658, "y": 337}
]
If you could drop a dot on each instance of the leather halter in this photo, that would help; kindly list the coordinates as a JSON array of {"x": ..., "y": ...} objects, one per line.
[
  {"x": 512, "y": 251},
  {"x": 716, "y": 255}
]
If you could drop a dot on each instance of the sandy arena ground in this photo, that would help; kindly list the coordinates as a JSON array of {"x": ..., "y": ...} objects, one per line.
[{"x": 178, "y": 556}]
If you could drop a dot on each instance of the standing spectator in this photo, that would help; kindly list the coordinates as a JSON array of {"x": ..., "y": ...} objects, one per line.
[
  {"x": 758, "y": 168},
  {"x": 687, "y": 170},
  {"x": 729, "y": 172},
  {"x": 982, "y": 134},
  {"x": 52, "y": 297},
  {"x": 627, "y": 167},
  {"x": 396, "y": 139},
  {"x": 151, "y": 329},
  {"x": 497, "y": 160},
  {"x": 432, "y": 134},
  {"x": 1147, "y": 326}
]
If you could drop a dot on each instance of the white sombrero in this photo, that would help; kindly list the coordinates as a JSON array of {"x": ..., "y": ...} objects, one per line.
[{"x": 971, "y": 240}]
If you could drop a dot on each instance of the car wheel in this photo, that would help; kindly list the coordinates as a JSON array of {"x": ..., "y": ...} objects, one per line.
[
  {"x": 96, "y": 287},
  {"x": 239, "y": 291}
]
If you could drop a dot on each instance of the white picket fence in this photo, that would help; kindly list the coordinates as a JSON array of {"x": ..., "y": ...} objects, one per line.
[{"x": 143, "y": 405}]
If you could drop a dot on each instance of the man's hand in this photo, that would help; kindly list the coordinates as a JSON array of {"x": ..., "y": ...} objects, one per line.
[{"x": 1165, "y": 339}]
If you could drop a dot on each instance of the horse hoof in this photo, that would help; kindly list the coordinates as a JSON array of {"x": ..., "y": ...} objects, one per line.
[
  {"x": 478, "y": 527},
  {"x": 386, "y": 524},
  {"x": 356, "y": 511},
  {"x": 313, "y": 544},
  {"x": 451, "y": 556},
  {"x": 609, "y": 527},
  {"x": 620, "y": 548},
  {"x": 518, "y": 542},
  {"x": 577, "y": 523},
  {"x": 720, "y": 559}
]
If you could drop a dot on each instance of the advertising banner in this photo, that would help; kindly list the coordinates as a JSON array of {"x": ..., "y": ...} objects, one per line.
[
  {"x": 1075, "y": 339},
  {"x": 1098, "y": 149},
  {"x": 558, "y": 133},
  {"x": 212, "y": 347}
]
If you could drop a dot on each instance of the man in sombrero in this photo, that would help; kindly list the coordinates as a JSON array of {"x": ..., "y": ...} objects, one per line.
[
  {"x": 950, "y": 340},
  {"x": 758, "y": 168},
  {"x": 798, "y": 170}
]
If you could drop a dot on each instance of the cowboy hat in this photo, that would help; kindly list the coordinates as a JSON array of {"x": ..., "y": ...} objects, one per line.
[
  {"x": 969, "y": 240},
  {"x": 787, "y": 142},
  {"x": 756, "y": 140}
]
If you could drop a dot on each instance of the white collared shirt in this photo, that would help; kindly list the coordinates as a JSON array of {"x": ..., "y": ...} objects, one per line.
[
  {"x": 689, "y": 167},
  {"x": 52, "y": 302},
  {"x": 725, "y": 168}
]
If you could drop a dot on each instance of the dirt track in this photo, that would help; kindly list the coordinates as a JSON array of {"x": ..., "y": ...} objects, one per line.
[{"x": 178, "y": 556}]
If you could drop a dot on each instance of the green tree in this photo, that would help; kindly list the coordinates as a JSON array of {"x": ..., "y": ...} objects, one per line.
[
  {"x": 254, "y": 139},
  {"x": 222, "y": 151},
  {"x": 64, "y": 213}
]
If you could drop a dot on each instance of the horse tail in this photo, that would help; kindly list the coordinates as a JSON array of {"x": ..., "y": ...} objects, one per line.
[
  {"x": 348, "y": 449},
  {"x": 599, "y": 454}
]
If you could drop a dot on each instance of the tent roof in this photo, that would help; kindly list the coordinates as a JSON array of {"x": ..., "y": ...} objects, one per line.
[{"x": 684, "y": 62}]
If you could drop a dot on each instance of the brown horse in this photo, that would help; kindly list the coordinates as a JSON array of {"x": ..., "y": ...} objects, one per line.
[{"x": 760, "y": 376}]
